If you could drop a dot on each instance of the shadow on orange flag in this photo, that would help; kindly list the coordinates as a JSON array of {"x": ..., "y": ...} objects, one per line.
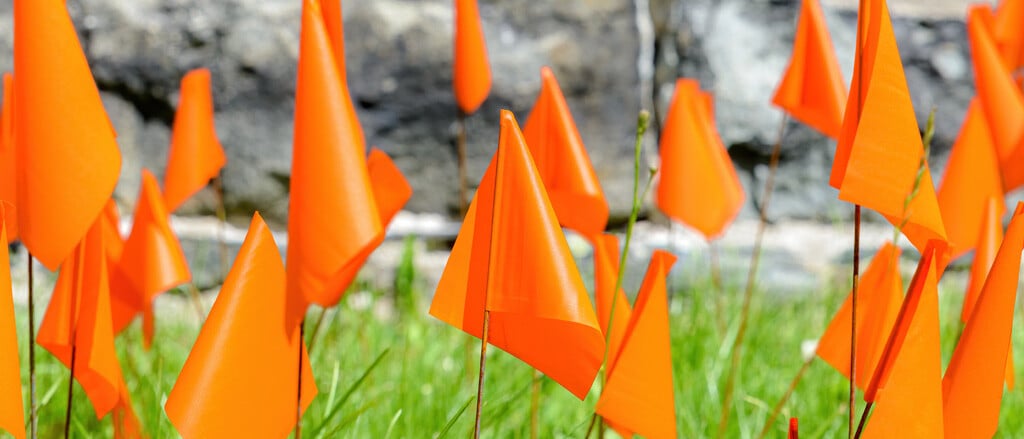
[
  {"x": 12, "y": 413},
  {"x": 1000, "y": 97},
  {"x": 471, "y": 77},
  {"x": 78, "y": 325},
  {"x": 333, "y": 221},
  {"x": 698, "y": 185},
  {"x": 812, "y": 89},
  {"x": 195, "y": 156},
  {"x": 8, "y": 158},
  {"x": 511, "y": 259},
  {"x": 562, "y": 161},
  {"x": 973, "y": 385},
  {"x": 240, "y": 378},
  {"x": 906, "y": 388},
  {"x": 639, "y": 396},
  {"x": 881, "y": 294},
  {"x": 971, "y": 178},
  {"x": 880, "y": 149},
  {"x": 68, "y": 160},
  {"x": 606, "y": 271},
  {"x": 152, "y": 261}
]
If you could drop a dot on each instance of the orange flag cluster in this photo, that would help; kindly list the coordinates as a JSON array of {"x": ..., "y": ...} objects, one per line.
[{"x": 12, "y": 415}]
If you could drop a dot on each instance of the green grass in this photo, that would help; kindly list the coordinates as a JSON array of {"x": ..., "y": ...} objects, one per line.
[{"x": 425, "y": 382}]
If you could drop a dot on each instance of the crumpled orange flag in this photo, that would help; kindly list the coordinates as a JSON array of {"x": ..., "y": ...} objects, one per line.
[
  {"x": 698, "y": 185},
  {"x": 562, "y": 161},
  {"x": 812, "y": 89},
  {"x": 8, "y": 158},
  {"x": 12, "y": 412},
  {"x": 606, "y": 271},
  {"x": 1000, "y": 96},
  {"x": 195, "y": 156},
  {"x": 880, "y": 149},
  {"x": 971, "y": 179},
  {"x": 639, "y": 396},
  {"x": 881, "y": 292},
  {"x": 471, "y": 76},
  {"x": 907, "y": 385},
  {"x": 241, "y": 377},
  {"x": 390, "y": 188},
  {"x": 68, "y": 160},
  {"x": 333, "y": 222},
  {"x": 972, "y": 389},
  {"x": 152, "y": 260},
  {"x": 511, "y": 259},
  {"x": 1009, "y": 21}
]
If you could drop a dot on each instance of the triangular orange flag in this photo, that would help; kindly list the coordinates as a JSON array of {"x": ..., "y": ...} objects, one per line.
[
  {"x": 12, "y": 412},
  {"x": 472, "y": 73},
  {"x": 240, "y": 380},
  {"x": 698, "y": 185},
  {"x": 639, "y": 395},
  {"x": 907, "y": 385},
  {"x": 390, "y": 188},
  {"x": 606, "y": 271},
  {"x": 972, "y": 389},
  {"x": 195, "y": 156},
  {"x": 1000, "y": 96},
  {"x": 880, "y": 150},
  {"x": 562, "y": 161},
  {"x": 990, "y": 236},
  {"x": 68, "y": 161},
  {"x": 812, "y": 89},
  {"x": 511, "y": 259},
  {"x": 333, "y": 223},
  {"x": 881, "y": 291},
  {"x": 152, "y": 261},
  {"x": 8, "y": 158},
  {"x": 970, "y": 180},
  {"x": 335, "y": 26},
  {"x": 1009, "y": 21}
]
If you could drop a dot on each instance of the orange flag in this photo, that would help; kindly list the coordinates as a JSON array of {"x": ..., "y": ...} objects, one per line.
[
  {"x": 881, "y": 291},
  {"x": 1007, "y": 27},
  {"x": 333, "y": 23},
  {"x": 12, "y": 413},
  {"x": 971, "y": 179},
  {"x": 812, "y": 89},
  {"x": 511, "y": 259},
  {"x": 195, "y": 156},
  {"x": 472, "y": 74},
  {"x": 907, "y": 385},
  {"x": 562, "y": 161},
  {"x": 880, "y": 150},
  {"x": 698, "y": 184},
  {"x": 990, "y": 235},
  {"x": 8, "y": 169},
  {"x": 1000, "y": 96},
  {"x": 972, "y": 389},
  {"x": 68, "y": 161},
  {"x": 638, "y": 395},
  {"x": 606, "y": 271},
  {"x": 152, "y": 260},
  {"x": 333, "y": 222},
  {"x": 390, "y": 188},
  {"x": 240, "y": 378}
]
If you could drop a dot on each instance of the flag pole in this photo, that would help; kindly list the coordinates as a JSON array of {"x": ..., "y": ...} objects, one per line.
[
  {"x": 460, "y": 148},
  {"x": 861, "y": 8},
  {"x": 535, "y": 405},
  {"x": 480, "y": 376},
  {"x": 31, "y": 353},
  {"x": 75, "y": 292},
  {"x": 218, "y": 187}
]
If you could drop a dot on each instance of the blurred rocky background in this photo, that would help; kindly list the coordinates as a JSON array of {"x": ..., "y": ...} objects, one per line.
[{"x": 612, "y": 58}]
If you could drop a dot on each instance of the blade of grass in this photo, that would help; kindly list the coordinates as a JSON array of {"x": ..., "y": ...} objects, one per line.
[
  {"x": 351, "y": 389},
  {"x": 452, "y": 420}
]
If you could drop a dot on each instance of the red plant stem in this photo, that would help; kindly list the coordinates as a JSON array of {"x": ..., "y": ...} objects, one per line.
[{"x": 31, "y": 352}]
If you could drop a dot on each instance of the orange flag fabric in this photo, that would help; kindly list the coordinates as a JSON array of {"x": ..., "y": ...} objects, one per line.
[
  {"x": 472, "y": 74},
  {"x": 240, "y": 380},
  {"x": 881, "y": 292},
  {"x": 639, "y": 395},
  {"x": 8, "y": 158},
  {"x": 12, "y": 412},
  {"x": 907, "y": 385},
  {"x": 1009, "y": 21},
  {"x": 698, "y": 185},
  {"x": 333, "y": 23},
  {"x": 971, "y": 179},
  {"x": 972, "y": 389},
  {"x": 990, "y": 236},
  {"x": 333, "y": 222},
  {"x": 511, "y": 259},
  {"x": 68, "y": 160},
  {"x": 812, "y": 89},
  {"x": 390, "y": 188},
  {"x": 606, "y": 271},
  {"x": 879, "y": 150},
  {"x": 562, "y": 161},
  {"x": 195, "y": 156},
  {"x": 152, "y": 260}
]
